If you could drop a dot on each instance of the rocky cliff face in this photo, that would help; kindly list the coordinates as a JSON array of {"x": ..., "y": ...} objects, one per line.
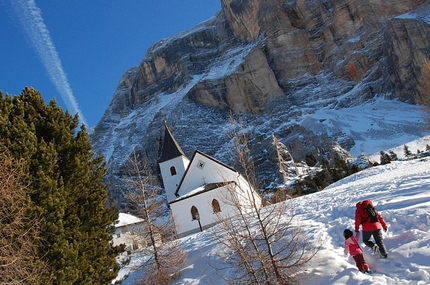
[{"x": 274, "y": 63}]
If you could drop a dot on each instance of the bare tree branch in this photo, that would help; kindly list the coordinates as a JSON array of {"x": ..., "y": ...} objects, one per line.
[
  {"x": 262, "y": 245},
  {"x": 164, "y": 254},
  {"x": 19, "y": 234}
]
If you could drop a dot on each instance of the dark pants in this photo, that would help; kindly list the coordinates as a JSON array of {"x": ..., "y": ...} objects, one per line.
[
  {"x": 360, "y": 262},
  {"x": 377, "y": 235}
]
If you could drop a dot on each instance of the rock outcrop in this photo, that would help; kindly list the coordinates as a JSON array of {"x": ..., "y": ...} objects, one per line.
[{"x": 273, "y": 62}]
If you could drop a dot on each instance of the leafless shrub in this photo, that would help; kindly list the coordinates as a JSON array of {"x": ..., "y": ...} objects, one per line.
[
  {"x": 19, "y": 234},
  {"x": 163, "y": 253},
  {"x": 262, "y": 245}
]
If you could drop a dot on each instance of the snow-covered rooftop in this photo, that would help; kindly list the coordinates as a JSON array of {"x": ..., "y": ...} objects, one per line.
[{"x": 127, "y": 219}]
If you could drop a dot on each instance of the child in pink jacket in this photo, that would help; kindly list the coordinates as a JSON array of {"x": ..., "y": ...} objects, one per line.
[{"x": 352, "y": 246}]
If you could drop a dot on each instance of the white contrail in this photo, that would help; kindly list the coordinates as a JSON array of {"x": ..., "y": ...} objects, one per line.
[{"x": 31, "y": 19}]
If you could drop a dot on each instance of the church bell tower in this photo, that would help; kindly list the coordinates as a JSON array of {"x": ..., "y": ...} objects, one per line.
[{"x": 173, "y": 164}]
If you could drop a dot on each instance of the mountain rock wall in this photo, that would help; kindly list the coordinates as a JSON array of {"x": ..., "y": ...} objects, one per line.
[{"x": 273, "y": 63}]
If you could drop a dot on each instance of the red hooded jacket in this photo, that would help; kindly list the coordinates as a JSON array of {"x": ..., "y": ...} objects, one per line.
[
  {"x": 352, "y": 246},
  {"x": 362, "y": 218}
]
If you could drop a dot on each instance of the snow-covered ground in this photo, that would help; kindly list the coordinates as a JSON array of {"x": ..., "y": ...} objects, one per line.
[{"x": 401, "y": 193}]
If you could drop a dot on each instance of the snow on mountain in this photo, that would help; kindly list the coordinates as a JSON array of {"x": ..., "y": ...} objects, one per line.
[
  {"x": 229, "y": 62},
  {"x": 421, "y": 13},
  {"x": 378, "y": 125},
  {"x": 400, "y": 191},
  {"x": 320, "y": 78}
]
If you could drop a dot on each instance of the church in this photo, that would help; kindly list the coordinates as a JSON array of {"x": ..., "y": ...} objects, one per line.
[{"x": 196, "y": 188}]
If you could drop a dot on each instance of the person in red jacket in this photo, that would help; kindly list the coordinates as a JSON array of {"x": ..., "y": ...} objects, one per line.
[
  {"x": 370, "y": 228},
  {"x": 352, "y": 246}
]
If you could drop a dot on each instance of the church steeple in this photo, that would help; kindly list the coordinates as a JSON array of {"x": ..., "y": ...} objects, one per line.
[
  {"x": 173, "y": 164},
  {"x": 171, "y": 148}
]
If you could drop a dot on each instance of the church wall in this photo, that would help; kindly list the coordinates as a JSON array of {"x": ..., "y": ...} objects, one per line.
[
  {"x": 246, "y": 193},
  {"x": 203, "y": 202},
  {"x": 182, "y": 212},
  {"x": 170, "y": 181}
]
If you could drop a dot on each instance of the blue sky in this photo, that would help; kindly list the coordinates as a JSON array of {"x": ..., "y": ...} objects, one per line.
[{"x": 82, "y": 47}]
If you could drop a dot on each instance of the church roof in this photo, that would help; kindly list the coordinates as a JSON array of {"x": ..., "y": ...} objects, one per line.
[
  {"x": 202, "y": 189},
  {"x": 127, "y": 219},
  {"x": 192, "y": 159},
  {"x": 171, "y": 148}
]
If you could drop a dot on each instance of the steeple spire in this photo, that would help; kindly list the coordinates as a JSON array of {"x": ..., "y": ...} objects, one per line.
[{"x": 171, "y": 148}]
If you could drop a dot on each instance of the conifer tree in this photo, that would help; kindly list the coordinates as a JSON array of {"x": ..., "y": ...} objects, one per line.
[
  {"x": 310, "y": 160},
  {"x": 393, "y": 156},
  {"x": 384, "y": 157},
  {"x": 406, "y": 151},
  {"x": 67, "y": 190}
]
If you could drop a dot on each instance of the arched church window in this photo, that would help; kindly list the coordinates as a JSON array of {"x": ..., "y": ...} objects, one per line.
[
  {"x": 173, "y": 170},
  {"x": 215, "y": 206},
  {"x": 194, "y": 213}
]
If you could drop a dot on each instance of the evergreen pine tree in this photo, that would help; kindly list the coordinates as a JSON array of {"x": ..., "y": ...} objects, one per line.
[
  {"x": 67, "y": 189},
  {"x": 407, "y": 151},
  {"x": 393, "y": 156},
  {"x": 385, "y": 158},
  {"x": 354, "y": 169},
  {"x": 310, "y": 160}
]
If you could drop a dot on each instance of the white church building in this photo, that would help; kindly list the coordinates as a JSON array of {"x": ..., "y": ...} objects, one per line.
[{"x": 196, "y": 188}]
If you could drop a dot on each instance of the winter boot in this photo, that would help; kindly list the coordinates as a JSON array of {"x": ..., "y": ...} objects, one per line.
[{"x": 376, "y": 250}]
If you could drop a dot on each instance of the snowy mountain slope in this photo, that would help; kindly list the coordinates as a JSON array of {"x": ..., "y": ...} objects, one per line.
[
  {"x": 328, "y": 78},
  {"x": 378, "y": 125},
  {"x": 401, "y": 193}
]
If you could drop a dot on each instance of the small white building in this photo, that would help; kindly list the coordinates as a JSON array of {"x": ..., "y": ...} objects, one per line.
[
  {"x": 196, "y": 188},
  {"x": 131, "y": 231}
]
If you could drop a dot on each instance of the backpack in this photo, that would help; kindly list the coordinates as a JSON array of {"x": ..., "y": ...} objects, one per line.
[{"x": 373, "y": 215}]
